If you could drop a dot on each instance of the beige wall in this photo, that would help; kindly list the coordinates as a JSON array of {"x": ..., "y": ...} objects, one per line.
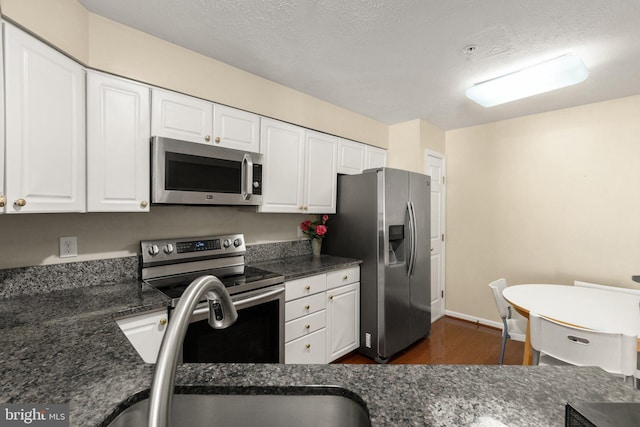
[
  {"x": 408, "y": 142},
  {"x": 124, "y": 51},
  {"x": 102, "y": 44},
  {"x": 548, "y": 198}
]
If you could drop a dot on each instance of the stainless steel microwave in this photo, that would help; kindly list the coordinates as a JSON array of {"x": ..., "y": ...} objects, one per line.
[{"x": 189, "y": 173}]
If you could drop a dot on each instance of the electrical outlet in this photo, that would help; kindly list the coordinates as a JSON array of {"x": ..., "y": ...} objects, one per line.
[
  {"x": 68, "y": 247},
  {"x": 300, "y": 233}
]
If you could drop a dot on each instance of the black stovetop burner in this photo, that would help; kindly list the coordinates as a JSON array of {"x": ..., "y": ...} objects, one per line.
[{"x": 250, "y": 278}]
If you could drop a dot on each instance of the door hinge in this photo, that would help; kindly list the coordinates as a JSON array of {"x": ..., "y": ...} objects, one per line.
[
  {"x": 443, "y": 180},
  {"x": 442, "y": 237},
  {"x": 441, "y": 294}
]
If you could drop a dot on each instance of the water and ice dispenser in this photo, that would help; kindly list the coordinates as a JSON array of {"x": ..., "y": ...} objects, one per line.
[{"x": 396, "y": 244}]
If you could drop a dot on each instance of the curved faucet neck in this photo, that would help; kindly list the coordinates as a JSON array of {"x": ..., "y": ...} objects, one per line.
[{"x": 161, "y": 394}]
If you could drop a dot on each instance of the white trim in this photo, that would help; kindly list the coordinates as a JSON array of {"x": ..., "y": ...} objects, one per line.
[
  {"x": 443, "y": 157},
  {"x": 491, "y": 323}
]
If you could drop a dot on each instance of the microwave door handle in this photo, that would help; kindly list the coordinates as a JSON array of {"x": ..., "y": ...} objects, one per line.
[{"x": 247, "y": 177}]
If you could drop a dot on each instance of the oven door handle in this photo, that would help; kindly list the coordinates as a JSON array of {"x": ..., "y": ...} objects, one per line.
[
  {"x": 259, "y": 298},
  {"x": 254, "y": 299}
]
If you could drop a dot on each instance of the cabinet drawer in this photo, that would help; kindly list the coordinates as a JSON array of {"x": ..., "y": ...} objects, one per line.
[
  {"x": 304, "y": 325},
  {"x": 305, "y": 286},
  {"x": 311, "y": 348},
  {"x": 343, "y": 277},
  {"x": 304, "y": 306}
]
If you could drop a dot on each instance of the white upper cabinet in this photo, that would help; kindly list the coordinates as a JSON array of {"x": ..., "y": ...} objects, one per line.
[
  {"x": 283, "y": 147},
  {"x": 236, "y": 129},
  {"x": 45, "y": 127},
  {"x": 186, "y": 118},
  {"x": 321, "y": 178},
  {"x": 299, "y": 169},
  {"x": 182, "y": 117},
  {"x": 350, "y": 157},
  {"x": 118, "y": 132},
  {"x": 374, "y": 157},
  {"x": 354, "y": 157}
]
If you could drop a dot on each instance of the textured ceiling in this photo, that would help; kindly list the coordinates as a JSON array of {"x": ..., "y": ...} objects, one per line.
[{"x": 398, "y": 60}]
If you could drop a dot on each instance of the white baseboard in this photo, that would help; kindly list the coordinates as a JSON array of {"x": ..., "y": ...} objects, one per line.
[{"x": 493, "y": 324}]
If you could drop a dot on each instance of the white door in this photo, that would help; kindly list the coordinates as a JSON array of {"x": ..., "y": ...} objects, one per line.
[
  {"x": 45, "y": 127},
  {"x": 236, "y": 129},
  {"x": 350, "y": 157},
  {"x": 182, "y": 117},
  {"x": 435, "y": 167},
  {"x": 118, "y": 131},
  {"x": 321, "y": 173},
  {"x": 374, "y": 157},
  {"x": 283, "y": 147},
  {"x": 343, "y": 320}
]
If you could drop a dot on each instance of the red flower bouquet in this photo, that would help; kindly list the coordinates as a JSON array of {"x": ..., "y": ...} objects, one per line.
[{"x": 315, "y": 229}]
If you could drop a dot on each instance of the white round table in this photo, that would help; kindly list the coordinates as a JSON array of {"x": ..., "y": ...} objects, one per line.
[{"x": 598, "y": 309}]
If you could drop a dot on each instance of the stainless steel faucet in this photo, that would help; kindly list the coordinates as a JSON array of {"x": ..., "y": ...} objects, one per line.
[{"x": 222, "y": 314}]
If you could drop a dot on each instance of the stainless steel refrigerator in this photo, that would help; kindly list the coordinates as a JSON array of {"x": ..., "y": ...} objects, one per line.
[{"x": 383, "y": 218}]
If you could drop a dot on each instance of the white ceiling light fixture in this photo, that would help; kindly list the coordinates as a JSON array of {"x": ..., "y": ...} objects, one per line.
[{"x": 565, "y": 70}]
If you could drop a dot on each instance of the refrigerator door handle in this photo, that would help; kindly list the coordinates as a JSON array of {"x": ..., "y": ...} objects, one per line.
[{"x": 413, "y": 240}]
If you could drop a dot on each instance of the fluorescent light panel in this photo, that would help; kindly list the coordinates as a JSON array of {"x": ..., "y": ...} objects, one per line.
[{"x": 565, "y": 70}]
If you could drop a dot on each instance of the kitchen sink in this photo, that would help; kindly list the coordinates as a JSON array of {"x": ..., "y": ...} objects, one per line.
[{"x": 311, "y": 406}]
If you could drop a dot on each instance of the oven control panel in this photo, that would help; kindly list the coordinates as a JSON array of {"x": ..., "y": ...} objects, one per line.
[{"x": 184, "y": 249}]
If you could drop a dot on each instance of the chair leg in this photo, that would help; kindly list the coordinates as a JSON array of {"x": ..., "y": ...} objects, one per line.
[
  {"x": 505, "y": 335},
  {"x": 536, "y": 357}
]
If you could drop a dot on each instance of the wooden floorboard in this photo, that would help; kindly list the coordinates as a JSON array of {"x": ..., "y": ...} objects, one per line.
[{"x": 453, "y": 341}]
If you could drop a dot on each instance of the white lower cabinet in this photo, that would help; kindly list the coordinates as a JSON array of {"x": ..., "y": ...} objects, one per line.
[
  {"x": 322, "y": 315},
  {"x": 145, "y": 332},
  {"x": 343, "y": 320}
]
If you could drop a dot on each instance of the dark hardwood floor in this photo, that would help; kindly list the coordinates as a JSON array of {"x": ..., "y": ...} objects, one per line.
[{"x": 454, "y": 341}]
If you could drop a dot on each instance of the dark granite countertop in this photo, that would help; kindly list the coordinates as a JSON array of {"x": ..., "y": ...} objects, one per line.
[
  {"x": 306, "y": 265},
  {"x": 65, "y": 347}
]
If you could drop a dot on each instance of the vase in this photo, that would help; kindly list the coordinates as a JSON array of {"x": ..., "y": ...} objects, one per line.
[{"x": 316, "y": 246}]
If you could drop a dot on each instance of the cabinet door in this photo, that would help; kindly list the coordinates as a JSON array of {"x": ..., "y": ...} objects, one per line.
[
  {"x": 350, "y": 157},
  {"x": 343, "y": 320},
  {"x": 118, "y": 132},
  {"x": 181, "y": 117},
  {"x": 321, "y": 173},
  {"x": 45, "y": 127},
  {"x": 236, "y": 129},
  {"x": 145, "y": 333},
  {"x": 283, "y": 166},
  {"x": 375, "y": 157}
]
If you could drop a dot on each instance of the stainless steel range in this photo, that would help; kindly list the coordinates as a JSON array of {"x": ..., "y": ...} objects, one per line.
[{"x": 170, "y": 265}]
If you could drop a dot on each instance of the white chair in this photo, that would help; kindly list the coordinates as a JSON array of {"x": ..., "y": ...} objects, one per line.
[
  {"x": 558, "y": 343},
  {"x": 514, "y": 326},
  {"x": 606, "y": 287}
]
